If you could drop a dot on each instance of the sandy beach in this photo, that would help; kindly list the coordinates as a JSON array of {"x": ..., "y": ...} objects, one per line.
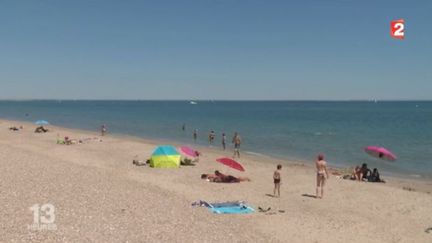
[{"x": 100, "y": 196}]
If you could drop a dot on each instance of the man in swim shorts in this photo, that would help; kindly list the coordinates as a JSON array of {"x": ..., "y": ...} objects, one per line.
[{"x": 236, "y": 141}]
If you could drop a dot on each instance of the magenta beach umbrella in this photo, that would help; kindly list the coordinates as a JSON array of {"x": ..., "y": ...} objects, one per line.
[
  {"x": 380, "y": 152},
  {"x": 188, "y": 151}
]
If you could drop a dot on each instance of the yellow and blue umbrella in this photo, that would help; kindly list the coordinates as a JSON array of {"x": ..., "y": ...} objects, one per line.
[{"x": 165, "y": 156}]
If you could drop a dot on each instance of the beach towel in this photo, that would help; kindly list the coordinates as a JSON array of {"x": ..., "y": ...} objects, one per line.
[{"x": 235, "y": 207}]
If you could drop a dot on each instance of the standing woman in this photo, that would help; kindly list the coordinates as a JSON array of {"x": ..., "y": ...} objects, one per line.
[
  {"x": 322, "y": 174},
  {"x": 223, "y": 141}
]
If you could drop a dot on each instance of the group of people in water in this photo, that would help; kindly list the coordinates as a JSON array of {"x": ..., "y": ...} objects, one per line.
[{"x": 236, "y": 140}]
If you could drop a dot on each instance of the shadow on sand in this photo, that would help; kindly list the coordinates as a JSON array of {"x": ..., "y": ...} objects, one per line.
[{"x": 308, "y": 195}]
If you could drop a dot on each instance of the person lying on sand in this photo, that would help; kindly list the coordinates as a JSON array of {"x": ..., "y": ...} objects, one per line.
[
  {"x": 222, "y": 178},
  {"x": 138, "y": 162},
  {"x": 68, "y": 141},
  {"x": 13, "y": 128}
]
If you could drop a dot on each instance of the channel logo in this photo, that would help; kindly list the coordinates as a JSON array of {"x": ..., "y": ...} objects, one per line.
[{"x": 397, "y": 29}]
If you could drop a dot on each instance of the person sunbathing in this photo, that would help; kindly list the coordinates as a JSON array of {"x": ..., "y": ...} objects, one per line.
[
  {"x": 13, "y": 128},
  {"x": 222, "y": 178}
]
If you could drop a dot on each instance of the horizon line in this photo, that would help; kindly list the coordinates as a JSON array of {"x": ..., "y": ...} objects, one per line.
[{"x": 231, "y": 100}]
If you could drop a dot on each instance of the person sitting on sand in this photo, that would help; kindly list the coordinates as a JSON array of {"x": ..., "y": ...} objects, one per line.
[
  {"x": 375, "y": 176},
  {"x": 41, "y": 129},
  {"x": 356, "y": 173},
  {"x": 198, "y": 154},
  {"x": 67, "y": 140},
  {"x": 364, "y": 172}
]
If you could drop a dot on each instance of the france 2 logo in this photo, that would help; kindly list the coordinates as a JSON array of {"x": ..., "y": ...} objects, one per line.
[{"x": 397, "y": 28}]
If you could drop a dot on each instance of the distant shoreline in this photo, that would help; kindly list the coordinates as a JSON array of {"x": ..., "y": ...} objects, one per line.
[{"x": 216, "y": 149}]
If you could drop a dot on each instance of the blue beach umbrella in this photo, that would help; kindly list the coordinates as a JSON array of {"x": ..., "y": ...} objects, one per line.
[{"x": 41, "y": 122}]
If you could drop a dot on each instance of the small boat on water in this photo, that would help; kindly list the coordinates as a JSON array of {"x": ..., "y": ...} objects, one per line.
[{"x": 193, "y": 103}]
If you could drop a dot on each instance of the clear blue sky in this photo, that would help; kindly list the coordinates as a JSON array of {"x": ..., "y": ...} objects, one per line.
[{"x": 214, "y": 49}]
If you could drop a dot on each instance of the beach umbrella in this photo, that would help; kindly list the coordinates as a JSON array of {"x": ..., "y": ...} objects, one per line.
[
  {"x": 380, "y": 152},
  {"x": 165, "y": 156},
  {"x": 231, "y": 163},
  {"x": 41, "y": 122},
  {"x": 188, "y": 151}
]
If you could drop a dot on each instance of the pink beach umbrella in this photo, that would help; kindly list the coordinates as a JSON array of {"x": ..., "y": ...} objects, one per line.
[
  {"x": 380, "y": 152},
  {"x": 188, "y": 151}
]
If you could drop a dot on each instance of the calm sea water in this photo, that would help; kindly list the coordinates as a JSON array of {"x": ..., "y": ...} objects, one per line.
[{"x": 290, "y": 129}]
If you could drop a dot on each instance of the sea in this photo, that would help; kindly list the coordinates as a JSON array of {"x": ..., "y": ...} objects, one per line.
[{"x": 292, "y": 130}]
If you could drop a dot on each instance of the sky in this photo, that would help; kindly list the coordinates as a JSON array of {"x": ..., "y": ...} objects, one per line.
[{"x": 214, "y": 49}]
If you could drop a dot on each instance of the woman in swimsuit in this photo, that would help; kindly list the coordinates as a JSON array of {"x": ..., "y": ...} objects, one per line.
[{"x": 322, "y": 174}]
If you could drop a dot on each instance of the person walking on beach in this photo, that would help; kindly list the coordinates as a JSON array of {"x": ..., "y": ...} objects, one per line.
[
  {"x": 103, "y": 130},
  {"x": 223, "y": 141},
  {"x": 277, "y": 180},
  {"x": 322, "y": 175},
  {"x": 195, "y": 134},
  {"x": 236, "y": 141}
]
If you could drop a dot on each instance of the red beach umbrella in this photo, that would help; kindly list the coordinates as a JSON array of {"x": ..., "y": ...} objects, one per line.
[
  {"x": 380, "y": 152},
  {"x": 231, "y": 163}
]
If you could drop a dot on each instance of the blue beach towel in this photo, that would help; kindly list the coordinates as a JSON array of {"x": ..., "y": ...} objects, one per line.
[{"x": 227, "y": 207}]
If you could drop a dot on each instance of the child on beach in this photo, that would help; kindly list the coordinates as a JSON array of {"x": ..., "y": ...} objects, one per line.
[{"x": 277, "y": 180}]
